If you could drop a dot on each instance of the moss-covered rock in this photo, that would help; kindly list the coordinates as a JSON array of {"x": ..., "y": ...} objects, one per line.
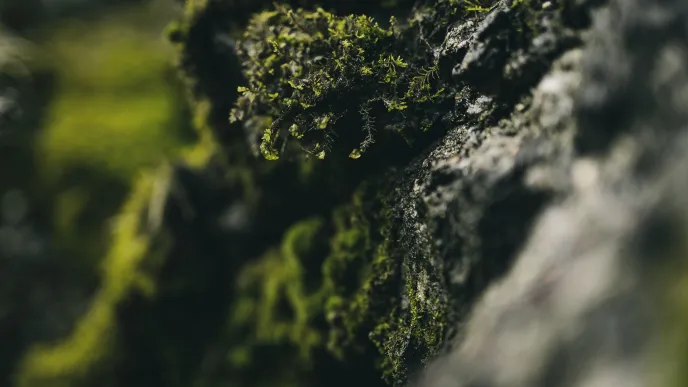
[
  {"x": 313, "y": 301},
  {"x": 313, "y": 77},
  {"x": 397, "y": 273},
  {"x": 334, "y": 271}
]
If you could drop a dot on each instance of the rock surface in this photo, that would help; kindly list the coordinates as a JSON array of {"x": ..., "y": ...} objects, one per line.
[
  {"x": 533, "y": 237},
  {"x": 585, "y": 303}
]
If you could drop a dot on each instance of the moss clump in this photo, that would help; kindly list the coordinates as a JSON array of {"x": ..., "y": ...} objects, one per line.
[
  {"x": 276, "y": 298},
  {"x": 377, "y": 297},
  {"x": 313, "y": 301},
  {"x": 319, "y": 78},
  {"x": 335, "y": 292},
  {"x": 360, "y": 276},
  {"x": 273, "y": 313}
]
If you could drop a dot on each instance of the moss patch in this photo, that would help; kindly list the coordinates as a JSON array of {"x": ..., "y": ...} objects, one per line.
[
  {"x": 317, "y": 76},
  {"x": 334, "y": 291}
]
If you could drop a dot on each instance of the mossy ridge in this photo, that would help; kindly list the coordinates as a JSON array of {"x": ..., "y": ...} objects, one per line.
[
  {"x": 315, "y": 76},
  {"x": 204, "y": 37},
  {"x": 414, "y": 329},
  {"x": 332, "y": 292},
  {"x": 309, "y": 302},
  {"x": 273, "y": 310},
  {"x": 376, "y": 299},
  {"x": 356, "y": 269}
]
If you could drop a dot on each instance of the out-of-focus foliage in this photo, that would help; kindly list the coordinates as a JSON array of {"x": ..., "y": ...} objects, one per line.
[
  {"x": 86, "y": 103},
  {"x": 115, "y": 109},
  {"x": 92, "y": 343}
]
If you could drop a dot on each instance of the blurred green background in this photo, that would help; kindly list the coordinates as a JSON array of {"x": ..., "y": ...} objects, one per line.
[{"x": 89, "y": 101}]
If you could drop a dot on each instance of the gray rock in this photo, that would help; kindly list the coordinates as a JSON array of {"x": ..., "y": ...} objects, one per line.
[{"x": 581, "y": 306}]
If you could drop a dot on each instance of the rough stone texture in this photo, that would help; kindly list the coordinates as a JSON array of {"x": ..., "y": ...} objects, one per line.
[
  {"x": 462, "y": 210},
  {"x": 581, "y": 306}
]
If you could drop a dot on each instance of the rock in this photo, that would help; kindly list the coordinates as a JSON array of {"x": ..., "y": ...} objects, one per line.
[
  {"x": 522, "y": 239},
  {"x": 584, "y": 304}
]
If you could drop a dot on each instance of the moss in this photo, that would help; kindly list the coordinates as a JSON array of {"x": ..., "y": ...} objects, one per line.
[
  {"x": 275, "y": 307},
  {"x": 406, "y": 310},
  {"x": 122, "y": 90},
  {"x": 311, "y": 303},
  {"x": 338, "y": 295},
  {"x": 412, "y": 334},
  {"x": 375, "y": 304},
  {"x": 318, "y": 76},
  {"x": 114, "y": 109},
  {"x": 357, "y": 274},
  {"x": 278, "y": 279},
  {"x": 93, "y": 343}
]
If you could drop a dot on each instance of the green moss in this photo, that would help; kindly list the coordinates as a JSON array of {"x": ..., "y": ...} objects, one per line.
[
  {"x": 396, "y": 307},
  {"x": 339, "y": 288},
  {"x": 278, "y": 279},
  {"x": 93, "y": 343},
  {"x": 312, "y": 298},
  {"x": 357, "y": 273},
  {"x": 324, "y": 78},
  {"x": 275, "y": 307},
  {"x": 411, "y": 336},
  {"x": 114, "y": 110}
]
